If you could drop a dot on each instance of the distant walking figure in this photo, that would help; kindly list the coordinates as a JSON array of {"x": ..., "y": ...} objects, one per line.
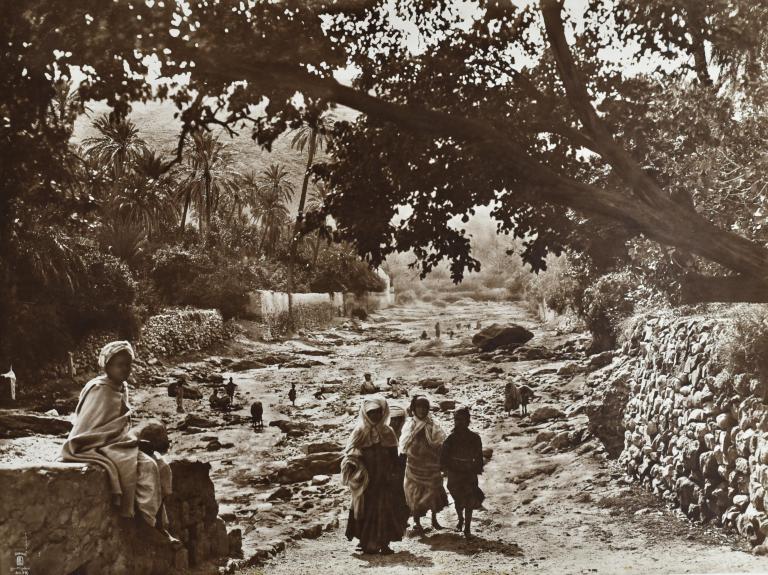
[
  {"x": 230, "y": 387},
  {"x": 437, "y": 330},
  {"x": 257, "y": 412},
  {"x": 177, "y": 389},
  {"x": 421, "y": 440},
  {"x": 292, "y": 394}
]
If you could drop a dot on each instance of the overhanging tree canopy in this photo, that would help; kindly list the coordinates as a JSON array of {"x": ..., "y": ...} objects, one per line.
[{"x": 516, "y": 106}]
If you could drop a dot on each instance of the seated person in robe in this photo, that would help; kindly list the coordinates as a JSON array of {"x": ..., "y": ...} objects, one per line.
[{"x": 102, "y": 435}]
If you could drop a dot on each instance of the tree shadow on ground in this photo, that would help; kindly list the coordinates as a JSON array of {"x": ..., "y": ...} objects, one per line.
[
  {"x": 402, "y": 558},
  {"x": 475, "y": 544}
]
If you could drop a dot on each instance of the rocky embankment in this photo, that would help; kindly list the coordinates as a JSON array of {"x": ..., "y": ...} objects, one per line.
[{"x": 686, "y": 429}]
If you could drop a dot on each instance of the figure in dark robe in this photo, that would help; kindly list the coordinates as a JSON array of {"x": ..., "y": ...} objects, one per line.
[
  {"x": 371, "y": 469},
  {"x": 461, "y": 458}
]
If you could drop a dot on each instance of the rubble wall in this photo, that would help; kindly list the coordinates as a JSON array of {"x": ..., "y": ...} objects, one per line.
[
  {"x": 694, "y": 434},
  {"x": 310, "y": 309},
  {"x": 168, "y": 333},
  {"x": 58, "y": 519}
]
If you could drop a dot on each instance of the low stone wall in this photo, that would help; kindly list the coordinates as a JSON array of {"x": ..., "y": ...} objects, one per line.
[
  {"x": 694, "y": 434},
  {"x": 169, "y": 333},
  {"x": 310, "y": 309},
  {"x": 369, "y": 301},
  {"x": 58, "y": 519}
]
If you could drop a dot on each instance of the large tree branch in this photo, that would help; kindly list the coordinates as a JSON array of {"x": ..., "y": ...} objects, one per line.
[
  {"x": 699, "y": 289},
  {"x": 666, "y": 222},
  {"x": 576, "y": 90}
]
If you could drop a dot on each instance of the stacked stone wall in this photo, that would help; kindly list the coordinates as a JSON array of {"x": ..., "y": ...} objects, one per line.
[
  {"x": 168, "y": 333},
  {"x": 58, "y": 519},
  {"x": 694, "y": 434}
]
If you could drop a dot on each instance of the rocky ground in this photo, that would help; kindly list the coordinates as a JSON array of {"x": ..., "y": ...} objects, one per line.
[{"x": 555, "y": 503}]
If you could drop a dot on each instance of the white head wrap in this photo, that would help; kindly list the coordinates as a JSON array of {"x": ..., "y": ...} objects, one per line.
[
  {"x": 366, "y": 432},
  {"x": 113, "y": 348}
]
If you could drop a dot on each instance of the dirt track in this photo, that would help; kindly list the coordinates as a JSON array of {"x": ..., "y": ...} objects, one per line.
[{"x": 554, "y": 513}]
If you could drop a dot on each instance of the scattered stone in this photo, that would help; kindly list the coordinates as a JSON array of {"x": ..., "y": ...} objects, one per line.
[
  {"x": 447, "y": 405},
  {"x": 546, "y": 413},
  {"x": 293, "y": 428},
  {"x": 302, "y": 363},
  {"x": 600, "y": 360},
  {"x": 304, "y": 468},
  {"x": 190, "y": 391},
  {"x": 324, "y": 446},
  {"x": 320, "y": 479},
  {"x": 571, "y": 368},
  {"x": 282, "y": 493},
  {"x": 496, "y": 336},
  {"x": 430, "y": 383},
  {"x": 192, "y": 420},
  {"x": 18, "y": 424},
  {"x": 246, "y": 364}
]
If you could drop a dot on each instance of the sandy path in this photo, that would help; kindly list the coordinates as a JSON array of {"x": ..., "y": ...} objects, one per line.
[{"x": 557, "y": 513}]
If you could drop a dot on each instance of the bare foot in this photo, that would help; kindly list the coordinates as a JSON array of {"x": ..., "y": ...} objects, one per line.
[{"x": 460, "y": 526}]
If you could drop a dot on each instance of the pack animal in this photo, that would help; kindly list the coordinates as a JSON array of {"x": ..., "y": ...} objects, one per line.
[
  {"x": 257, "y": 411},
  {"x": 517, "y": 396}
]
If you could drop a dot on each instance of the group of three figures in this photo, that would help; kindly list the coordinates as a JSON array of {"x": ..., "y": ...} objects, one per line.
[{"x": 395, "y": 474}]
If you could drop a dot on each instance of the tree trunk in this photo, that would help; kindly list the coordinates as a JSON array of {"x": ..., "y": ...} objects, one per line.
[
  {"x": 187, "y": 200},
  {"x": 298, "y": 222},
  {"x": 207, "y": 205},
  {"x": 8, "y": 301},
  {"x": 701, "y": 289},
  {"x": 316, "y": 250}
]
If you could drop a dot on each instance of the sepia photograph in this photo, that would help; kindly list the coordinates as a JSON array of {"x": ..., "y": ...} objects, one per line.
[{"x": 383, "y": 287}]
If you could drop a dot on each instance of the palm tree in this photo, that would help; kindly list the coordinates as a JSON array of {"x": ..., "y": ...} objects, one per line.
[
  {"x": 124, "y": 239},
  {"x": 145, "y": 196},
  {"x": 312, "y": 136},
  {"x": 208, "y": 174},
  {"x": 240, "y": 196},
  {"x": 117, "y": 145},
  {"x": 271, "y": 204},
  {"x": 315, "y": 203}
]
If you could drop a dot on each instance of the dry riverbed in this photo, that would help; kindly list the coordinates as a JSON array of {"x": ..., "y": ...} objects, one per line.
[{"x": 551, "y": 507}]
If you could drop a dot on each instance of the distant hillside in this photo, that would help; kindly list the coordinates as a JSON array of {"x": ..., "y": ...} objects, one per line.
[{"x": 161, "y": 130}]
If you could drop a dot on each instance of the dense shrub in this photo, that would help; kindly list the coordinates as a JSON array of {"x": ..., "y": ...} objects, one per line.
[
  {"x": 405, "y": 297},
  {"x": 559, "y": 287},
  {"x": 359, "y": 313},
  {"x": 606, "y": 303},
  {"x": 184, "y": 277},
  {"x": 52, "y": 320},
  {"x": 175, "y": 268},
  {"x": 223, "y": 290},
  {"x": 744, "y": 347}
]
